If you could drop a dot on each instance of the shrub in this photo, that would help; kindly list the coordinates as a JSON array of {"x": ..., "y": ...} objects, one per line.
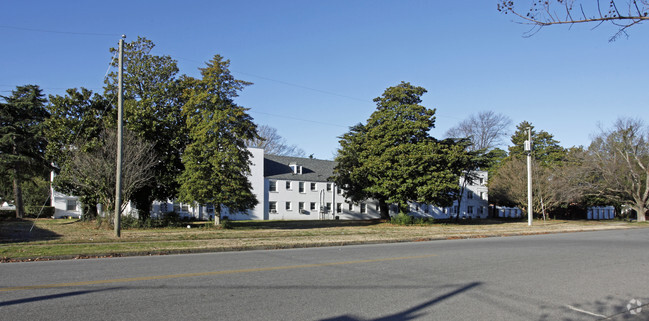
[
  {"x": 226, "y": 224},
  {"x": 402, "y": 219},
  {"x": 39, "y": 211}
]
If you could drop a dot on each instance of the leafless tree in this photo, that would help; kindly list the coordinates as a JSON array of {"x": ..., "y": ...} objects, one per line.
[
  {"x": 509, "y": 186},
  {"x": 486, "y": 130},
  {"x": 541, "y": 13},
  {"x": 272, "y": 143},
  {"x": 94, "y": 170},
  {"x": 618, "y": 166}
]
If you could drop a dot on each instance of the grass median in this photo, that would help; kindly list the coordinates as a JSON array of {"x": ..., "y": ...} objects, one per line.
[{"x": 44, "y": 239}]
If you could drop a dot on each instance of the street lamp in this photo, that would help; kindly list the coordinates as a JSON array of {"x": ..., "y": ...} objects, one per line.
[{"x": 528, "y": 149}]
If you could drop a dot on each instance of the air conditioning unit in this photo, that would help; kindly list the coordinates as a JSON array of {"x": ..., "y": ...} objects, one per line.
[
  {"x": 273, "y": 211},
  {"x": 303, "y": 212}
]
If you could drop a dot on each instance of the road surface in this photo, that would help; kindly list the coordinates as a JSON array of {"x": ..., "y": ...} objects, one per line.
[{"x": 569, "y": 276}]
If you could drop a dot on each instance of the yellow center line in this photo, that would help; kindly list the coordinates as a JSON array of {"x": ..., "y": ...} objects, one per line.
[{"x": 186, "y": 275}]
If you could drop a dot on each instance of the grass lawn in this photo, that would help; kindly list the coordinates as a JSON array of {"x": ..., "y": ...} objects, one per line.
[{"x": 67, "y": 239}]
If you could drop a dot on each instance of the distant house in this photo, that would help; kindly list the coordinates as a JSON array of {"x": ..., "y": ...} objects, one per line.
[{"x": 296, "y": 188}]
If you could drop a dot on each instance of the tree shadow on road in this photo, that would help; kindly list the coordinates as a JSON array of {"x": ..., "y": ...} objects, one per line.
[{"x": 414, "y": 312}]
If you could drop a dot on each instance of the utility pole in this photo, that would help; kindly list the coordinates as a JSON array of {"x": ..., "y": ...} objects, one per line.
[
  {"x": 528, "y": 149},
  {"x": 120, "y": 125}
]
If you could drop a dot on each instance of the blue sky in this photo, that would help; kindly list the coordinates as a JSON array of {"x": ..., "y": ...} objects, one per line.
[{"x": 317, "y": 65}]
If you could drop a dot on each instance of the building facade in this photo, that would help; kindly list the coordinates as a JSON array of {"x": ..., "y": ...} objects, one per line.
[{"x": 296, "y": 188}]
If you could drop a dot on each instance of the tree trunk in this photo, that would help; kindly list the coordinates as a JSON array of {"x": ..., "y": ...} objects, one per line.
[
  {"x": 384, "y": 208},
  {"x": 18, "y": 197},
  {"x": 640, "y": 210},
  {"x": 217, "y": 214}
]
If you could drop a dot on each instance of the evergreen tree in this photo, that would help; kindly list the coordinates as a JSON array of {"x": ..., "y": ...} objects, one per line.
[
  {"x": 22, "y": 143},
  {"x": 216, "y": 160},
  {"x": 393, "y": 158}
]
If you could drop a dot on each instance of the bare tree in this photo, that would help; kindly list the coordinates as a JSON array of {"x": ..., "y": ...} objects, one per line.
[
  {"x": 618, "y": 166},
  {"x": 542, "y": 13},
  {"x": 94, "y": 170},
  {"x": 486, "y": 130},
  {"x": 272, "y": 143}
]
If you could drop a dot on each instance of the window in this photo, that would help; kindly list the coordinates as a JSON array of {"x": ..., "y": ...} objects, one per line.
[
  {"x": 296, "y": 169},
  {"x": 288, "y": 206},
  {"x": 185, "y": 208},
  {"x": 469, "y": 209},
  {"x": 339, "y": 191},
  {"x": 351, "y": 207},
  {"x": 288, "y": 185},
  {"x": 339, "y": 207},
  {"x": 272, "y": 207},
  {"x": 481, "y": 195},
  {"x": 312, "y": 206},
  {"x": 481, "y": 209},
  {"x": 71, "y": 205},
  {"x": 209, "y": 208},
  {"x": 300, "y": 206},
  {"x": 469, "y": 194},
  {"x": 328, "y": 208},
  {"x": 363, "y": 208},
  {"x": 176, "y": 207},
  {"x": 313, "y": 187},
  {"x": 481, "y": 180},
  {"x": 328, "y": 187},
  {"x": 301, "y": 187},
  {"x": 272, "y": 186}
]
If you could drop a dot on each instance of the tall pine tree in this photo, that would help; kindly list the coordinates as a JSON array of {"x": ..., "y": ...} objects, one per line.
[
  {"x": 216, "y": 160},
  {"x": 22, "y": 143}
]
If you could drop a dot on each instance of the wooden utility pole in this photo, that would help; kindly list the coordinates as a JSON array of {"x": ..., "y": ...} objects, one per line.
[{"x": 120, "y": 125}]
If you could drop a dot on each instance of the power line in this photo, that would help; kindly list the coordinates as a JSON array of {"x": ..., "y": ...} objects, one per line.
[{"x": 62, "y": 32}]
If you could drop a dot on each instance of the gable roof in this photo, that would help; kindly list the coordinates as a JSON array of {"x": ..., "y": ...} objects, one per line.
[{"x": 313, "y": 170}]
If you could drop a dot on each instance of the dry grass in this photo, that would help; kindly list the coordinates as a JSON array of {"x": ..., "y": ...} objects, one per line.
[{"x": 56, "y": 239}]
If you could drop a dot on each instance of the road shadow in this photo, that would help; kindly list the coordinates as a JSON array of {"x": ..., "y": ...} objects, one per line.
[
  {"x": 51, "y": 297},
  {"x": 19, "y": 230},
  {"x": 414, "y": 312}
]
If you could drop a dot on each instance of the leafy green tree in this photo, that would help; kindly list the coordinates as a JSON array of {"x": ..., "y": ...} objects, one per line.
[
  {"x": 22, "y": 143},
  {"x": 545, "y": 149},
  {"x": 393, "y": 159},
  {"x": 152, "y": 111},
  {"x": 76, "y": 125},
  {"x": 217, "y": 162}
]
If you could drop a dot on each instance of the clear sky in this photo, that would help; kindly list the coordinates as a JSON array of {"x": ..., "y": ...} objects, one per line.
[{"x": 317, "y": 65}]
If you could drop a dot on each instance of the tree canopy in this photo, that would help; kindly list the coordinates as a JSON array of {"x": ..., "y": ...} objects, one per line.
[
  {"x": 393, "y": 158},
  {"x": 22, "y": 142},
  {"x": 216, "y": 160}
]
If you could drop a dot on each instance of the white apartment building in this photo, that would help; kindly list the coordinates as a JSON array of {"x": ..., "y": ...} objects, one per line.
[{"x": 296, "y": 188}]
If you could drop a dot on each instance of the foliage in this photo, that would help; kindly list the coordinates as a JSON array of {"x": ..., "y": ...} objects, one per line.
[
  {"x": 617, "y": 166},
  {"x": 552, "y": 168},
  {"x": 22, "y": 143},
  {"x": 544, "y": 13},
  {"x": 393, "y": 158},
  {"x": 39, "y": 211},
  {"x": 216, "y": 160},
  {"x": 152, "y": 111},
  {"x": 545, "y": 149},
  {"x": 272, "y": 143},
  {"x": 485, "y": 130},
  {"x": 93, "y": 172}
]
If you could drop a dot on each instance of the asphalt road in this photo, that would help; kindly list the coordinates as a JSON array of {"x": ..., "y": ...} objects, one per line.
[{"x": 575, "y": 276}]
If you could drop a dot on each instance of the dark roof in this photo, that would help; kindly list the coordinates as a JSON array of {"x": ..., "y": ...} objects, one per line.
[{"x": 313, "y": 170}]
